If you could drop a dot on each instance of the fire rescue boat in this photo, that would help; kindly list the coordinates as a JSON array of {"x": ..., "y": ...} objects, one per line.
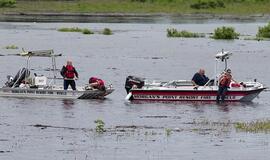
[
  {"x": 24, "y": 85},
  {"x": 183, "y": 90}
]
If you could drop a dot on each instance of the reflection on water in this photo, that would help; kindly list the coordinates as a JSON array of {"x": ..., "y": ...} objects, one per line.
[
  {"x": 68, "y": 103},
  {"x": 134, "y": 130}
]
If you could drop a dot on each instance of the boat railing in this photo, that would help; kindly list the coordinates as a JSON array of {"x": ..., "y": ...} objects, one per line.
[{"x": 178, "y": 83}]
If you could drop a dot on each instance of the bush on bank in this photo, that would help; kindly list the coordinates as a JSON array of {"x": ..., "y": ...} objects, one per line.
[
  {"x": 7, "y": 3},
  {"x": 225, "y": 33},
  {"x": 208, "y": 4}
]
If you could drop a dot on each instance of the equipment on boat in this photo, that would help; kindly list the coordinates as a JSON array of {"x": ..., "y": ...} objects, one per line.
[
  {"x": 19, "y": 77},
  {"x": 40, "y": 86},
  {"x": 183, "y": 90},
  {"x": 132, "y": 81}
]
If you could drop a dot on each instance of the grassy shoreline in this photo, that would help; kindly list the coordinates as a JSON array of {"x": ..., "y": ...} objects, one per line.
[{"x": 248, "y": 7}]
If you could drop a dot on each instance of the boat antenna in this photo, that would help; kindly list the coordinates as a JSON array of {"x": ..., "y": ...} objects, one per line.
[{"x": 53, "y": 66}]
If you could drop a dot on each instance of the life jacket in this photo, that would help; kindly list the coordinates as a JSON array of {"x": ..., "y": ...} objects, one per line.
[
  {"x": 100, "y": 82},
  {"x": 69, "y": 71},
  {"x": 225, "y": 81},
  {"x": 93, "y": 79}
]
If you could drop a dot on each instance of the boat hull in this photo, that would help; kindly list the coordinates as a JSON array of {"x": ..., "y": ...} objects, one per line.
[
  {"x": 193, "y": 95},
  {"x": 54, "y": 93}
]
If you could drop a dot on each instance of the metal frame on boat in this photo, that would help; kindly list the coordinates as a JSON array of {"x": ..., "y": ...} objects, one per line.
[
  {"x": 37, "y": 87},
  {"x": 183, "y": 90}
]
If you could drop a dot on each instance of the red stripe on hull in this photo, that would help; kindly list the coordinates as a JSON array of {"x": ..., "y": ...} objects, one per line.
[{"x": 188, "y": 93}]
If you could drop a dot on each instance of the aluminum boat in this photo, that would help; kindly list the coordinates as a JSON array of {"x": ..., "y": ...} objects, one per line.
[{"x": 38, "y": 86}]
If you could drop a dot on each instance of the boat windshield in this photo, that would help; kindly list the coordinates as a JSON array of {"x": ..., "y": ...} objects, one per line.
[{"x": 178, "y": 83}]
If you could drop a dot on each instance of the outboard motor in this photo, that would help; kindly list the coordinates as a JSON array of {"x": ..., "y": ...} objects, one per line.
[
  {"x": 17, "y": 80},
  {"x": 132, "y": 80},
  {"x": 9, "y": 80}
]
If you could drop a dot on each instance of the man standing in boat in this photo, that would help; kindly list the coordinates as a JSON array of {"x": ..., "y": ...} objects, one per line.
[
  {"x": 69, "y": 73},
  {"x": 224, "y": 84},
  {"x": 199, "y": 78}
]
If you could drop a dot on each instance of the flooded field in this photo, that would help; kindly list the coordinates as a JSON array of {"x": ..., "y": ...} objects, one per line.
[{"x": 47, "y": 129}]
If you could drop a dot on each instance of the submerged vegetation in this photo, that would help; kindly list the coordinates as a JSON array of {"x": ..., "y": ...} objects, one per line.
[
  {"x": 174, "y": 33},
  {"x": 11, "y": 47},
  {"x": 7, "y": 3},
  {"x": 264, "y": 32},
  {"x": 255, "y": 126},
  {"x": 225, "y": 33},
  {"x": 168, "y": 131},
  {"x": 99, "y": 126},
  {"x": 105, "y": 31}
]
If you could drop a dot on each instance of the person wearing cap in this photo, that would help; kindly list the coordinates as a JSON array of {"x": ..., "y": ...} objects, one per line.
[
  {"x": 224, "y": 84},
  {"x": 199, "y": 78},
  {"x": 69, "y": 73}
]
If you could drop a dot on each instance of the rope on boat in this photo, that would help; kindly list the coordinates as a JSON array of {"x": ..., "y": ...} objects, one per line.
[{"x": 267, "y": 90}]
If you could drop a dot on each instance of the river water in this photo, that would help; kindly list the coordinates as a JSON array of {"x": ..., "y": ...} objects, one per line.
[{"x": 45, "y": 129}]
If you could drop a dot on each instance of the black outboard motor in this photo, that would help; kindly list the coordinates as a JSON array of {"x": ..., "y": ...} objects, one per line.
[
  {"x": 132, "y": 80},
  {"x": 17, "y": 80}
]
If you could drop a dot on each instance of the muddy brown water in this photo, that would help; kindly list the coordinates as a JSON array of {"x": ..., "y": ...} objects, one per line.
[{"x": 46, "y": 129}]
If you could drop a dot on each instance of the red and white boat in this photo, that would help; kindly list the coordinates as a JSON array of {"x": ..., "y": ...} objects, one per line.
[{"x": 183, "y": 90}]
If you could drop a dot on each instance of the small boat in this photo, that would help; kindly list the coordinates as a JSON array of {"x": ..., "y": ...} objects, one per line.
[
  {"x": 25, "y": 86},
  {"x": 183, "y": 90}
]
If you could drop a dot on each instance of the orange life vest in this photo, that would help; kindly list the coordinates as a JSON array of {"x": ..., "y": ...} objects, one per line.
[
  {"x": 69, "y": 71},
  {"x": 225, "y": 81}
]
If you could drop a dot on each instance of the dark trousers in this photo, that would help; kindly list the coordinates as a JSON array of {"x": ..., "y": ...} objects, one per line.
[
  {"x": 71, "y": 83},
  {"x": 221, "y": 93}
]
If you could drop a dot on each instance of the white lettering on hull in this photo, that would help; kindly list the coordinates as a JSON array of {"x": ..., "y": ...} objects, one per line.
[{"x": 182, "y": 97}]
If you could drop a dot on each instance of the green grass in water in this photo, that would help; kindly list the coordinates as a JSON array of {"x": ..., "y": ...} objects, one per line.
[
  {"x": 255, "y": 126},
  {"x": 76, "y": 29},
  {"x": 73, "y": 29},
  {"x": 264, "y": 32},
  {"x": 11, "y": 47},
  {"x": 225, "y": 33},
  {"x": 100, "y": 126},
  {"x": 87, "y": 31},
  {"x": 107, "y": 31},
  {"x": 174, "y": 33}
]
